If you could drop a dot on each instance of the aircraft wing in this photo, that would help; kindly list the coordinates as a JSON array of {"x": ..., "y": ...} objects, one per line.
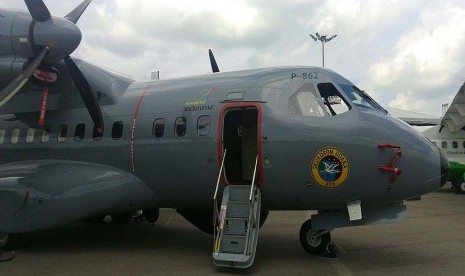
[
  {"x": 40, "y": 194},
  {"x": 414, "y": 118},
  {"x": 454, "y": 118}
]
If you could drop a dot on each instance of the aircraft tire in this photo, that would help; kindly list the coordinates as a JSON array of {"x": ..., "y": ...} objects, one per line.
[
  {"x": 151, "y": 215},
  {"x": 263, "y": 217},
  {"x": 310, "y": 242},
  {"x": 461, "y": 187},
  {"x": 121, "y": 218},
  {"x": 10, "y": 241}
]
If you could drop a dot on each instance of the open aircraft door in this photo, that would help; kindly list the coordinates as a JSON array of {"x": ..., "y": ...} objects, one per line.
[{"x": 240, "y": 134}]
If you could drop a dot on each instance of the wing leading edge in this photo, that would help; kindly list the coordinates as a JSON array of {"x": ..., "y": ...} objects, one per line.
[{"x": 414, "y": 118}]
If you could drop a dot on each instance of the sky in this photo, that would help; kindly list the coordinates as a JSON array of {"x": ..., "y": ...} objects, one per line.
[{"x": 405, "y": 54}]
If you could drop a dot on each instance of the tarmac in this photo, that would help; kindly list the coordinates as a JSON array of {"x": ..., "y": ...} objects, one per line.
[{"x": 431, "y": 242}]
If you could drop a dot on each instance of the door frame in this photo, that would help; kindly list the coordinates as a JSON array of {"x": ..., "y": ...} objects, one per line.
[{"x": 221, "y": 117}]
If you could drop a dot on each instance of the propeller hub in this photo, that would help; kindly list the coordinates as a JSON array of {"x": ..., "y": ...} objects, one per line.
[{"x": 60, "y": 35}]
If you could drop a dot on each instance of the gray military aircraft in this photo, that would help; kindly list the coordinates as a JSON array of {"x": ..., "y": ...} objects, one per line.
[{"x": 78, "y": 141}]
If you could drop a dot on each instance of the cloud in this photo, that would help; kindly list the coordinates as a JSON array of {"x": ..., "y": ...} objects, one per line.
[
  {"x": 404, "y": 53},
  {"x": 427, "y": 60},
  {"x": 407, "y": 101}
]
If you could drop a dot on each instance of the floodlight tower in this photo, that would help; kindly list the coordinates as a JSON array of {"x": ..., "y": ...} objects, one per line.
[{"x": 323, "y": 39}]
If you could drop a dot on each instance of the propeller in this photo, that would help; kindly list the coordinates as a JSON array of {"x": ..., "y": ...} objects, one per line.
[
  {"x": 86, "y": 93},
  {"x": 213, "y": 63},
  {"x": 17, "y": 83},
  {"x": 38, "y": 10},
  {"x": 75, "y": 14},
  {"x": 52, "y": 41}
]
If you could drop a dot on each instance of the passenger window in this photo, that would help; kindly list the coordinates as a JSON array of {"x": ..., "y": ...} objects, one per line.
[
  {"x": 2, "y": 136},
  {"x": 158, "y": 128},
  {"x": 97, "y": 136},
  {"x": 306, "y": 102},
  {"x": 15, "y": 135},
  {"x": 203, "y": 125},
  {"x": 180, "y": 127},
  {"x": 455, "y": 144},
  {"x": 117, "y": 130},
  {"x": 463, "y": 144},
  {"x": 79, "y": 132},
  {"x": 333, "y": 101},
  {"x": 444, "y": 144},
  {"x": 30, "y": 135},
  {"x": 62, "y": 131},
  {"x": 45, "y": 134}
]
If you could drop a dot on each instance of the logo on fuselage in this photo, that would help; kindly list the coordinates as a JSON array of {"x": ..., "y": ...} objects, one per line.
[
  {"x": 330, "y": 167},
  {"x": 203, "y": 103}
]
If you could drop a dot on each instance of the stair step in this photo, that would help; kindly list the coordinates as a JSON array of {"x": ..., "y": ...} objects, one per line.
[
  {"x": 239, "y": 193},
  {"x": 237, "y": 210},
  {"x": 236, "y": 233},
  {"x": 235, "y": 226},
  {"x": 232, "y": 244}
]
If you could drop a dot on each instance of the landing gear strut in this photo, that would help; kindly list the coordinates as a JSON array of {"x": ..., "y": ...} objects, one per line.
[
  {"x": 314, "y": 241},
  {"x": 4, "y": 237}
]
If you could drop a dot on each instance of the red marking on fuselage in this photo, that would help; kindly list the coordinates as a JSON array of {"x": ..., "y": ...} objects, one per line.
[
  {"x": 43, "y": 107},
  {"x": 133, "y": 129}
]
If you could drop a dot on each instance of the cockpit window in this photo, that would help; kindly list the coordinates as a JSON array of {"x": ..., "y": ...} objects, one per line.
[
  {"x": 333, "y": 101},
  {"x": 359, "y": 98},
  {"x": 306, "y": 102}
]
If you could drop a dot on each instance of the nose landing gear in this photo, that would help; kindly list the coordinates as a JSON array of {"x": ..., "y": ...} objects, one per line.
[{"x": 314, "y": 241}]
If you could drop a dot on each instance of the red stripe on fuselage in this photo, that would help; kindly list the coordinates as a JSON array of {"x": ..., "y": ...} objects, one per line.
[
  {"x": 133, "y": 129},
  {"x": 43, "y": 107}
]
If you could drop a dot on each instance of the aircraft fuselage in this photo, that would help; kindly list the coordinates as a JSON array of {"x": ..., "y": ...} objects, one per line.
[{"x": 179, "y": 168}]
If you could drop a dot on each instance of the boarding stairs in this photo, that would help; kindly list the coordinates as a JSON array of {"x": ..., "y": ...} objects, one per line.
[{"x": 236, "y": 224}]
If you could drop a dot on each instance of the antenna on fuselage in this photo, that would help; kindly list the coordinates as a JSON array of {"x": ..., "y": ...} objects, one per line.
[
  {"x": 213, "y": 63},
  {"x": 155, "y": 75},
  {"x": 444, "y": 108}
]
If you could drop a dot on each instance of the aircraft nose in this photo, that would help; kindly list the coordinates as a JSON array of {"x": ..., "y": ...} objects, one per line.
[{"x": 444, "y": 169}]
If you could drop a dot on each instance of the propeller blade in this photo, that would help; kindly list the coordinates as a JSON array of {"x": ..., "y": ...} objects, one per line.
[
  {"x": 213, "y": 63},
  {"x": 38, "y": 10},
  {"x": 75, "y": 14},
  {"x": 86, "y": 93},
  {"x": 17, "y": 83}
]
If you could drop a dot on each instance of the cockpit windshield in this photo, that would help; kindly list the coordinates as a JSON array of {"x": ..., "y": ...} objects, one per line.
[{"x": 359, "y": 98}]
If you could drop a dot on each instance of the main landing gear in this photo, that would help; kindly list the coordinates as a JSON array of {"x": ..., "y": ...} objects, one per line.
[
  {"x": 10, "y": 241},
  {"x": 460, "y": 187},
  {"x": 314, "y": 241},
  {"x": 149, "y": 215}
]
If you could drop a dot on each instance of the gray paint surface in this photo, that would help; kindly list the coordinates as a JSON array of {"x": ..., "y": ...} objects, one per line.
[{"x": 182, "y": 171}]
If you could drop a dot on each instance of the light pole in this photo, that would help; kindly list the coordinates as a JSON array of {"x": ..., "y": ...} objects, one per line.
[{"x": 323, "y": 39}]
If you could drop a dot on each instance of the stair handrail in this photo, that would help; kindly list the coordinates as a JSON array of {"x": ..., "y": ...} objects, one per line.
[
  {"x": 251, "y": 222},
  {"x": 253, "y": 178},
  {"x": 251, "y": 219},
  {"x": 216, "y": 230},
  {"x": 219, "y": 175}
]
